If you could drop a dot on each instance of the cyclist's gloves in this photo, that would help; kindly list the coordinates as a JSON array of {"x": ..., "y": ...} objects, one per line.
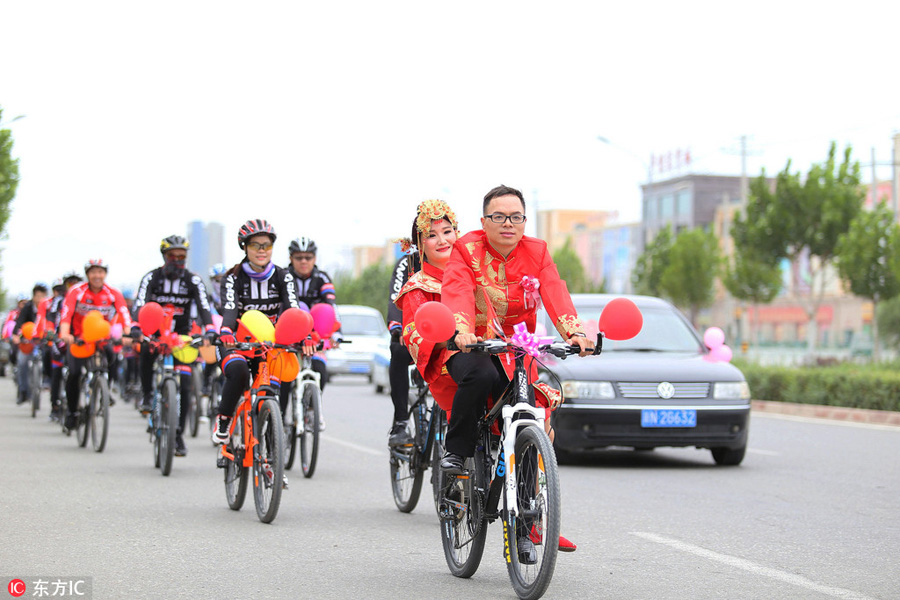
[
  {"x": 211, "y": 334},
  {"x": 226, "y": 336},
  {"x": 395, "y": 335}
]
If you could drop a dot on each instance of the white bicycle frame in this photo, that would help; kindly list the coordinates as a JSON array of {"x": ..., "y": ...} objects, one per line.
[
  {"x": 508, "y": 443},
  {"x": 306, "y": 376}
]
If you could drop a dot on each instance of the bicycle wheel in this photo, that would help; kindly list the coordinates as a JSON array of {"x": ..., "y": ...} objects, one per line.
[
  {"x": 463, "y": 524},
  {"x": 268, "y": 461},
  {"x": 167, "y": 425},
  {"x": 439, "y": 430},
  {"x": 537, "y": 514},
  {"x": 235, "y": 473},
  {"x": 309, "y": 435},
  {"x": 290, "y": 431},
  {"x": 195, "y": 406},
  {"x": 99, "y": 413},
  {"x": 84, "y": 407},
  {"x": 406, "y": 465},
  {"x": 37, "y": 375}
]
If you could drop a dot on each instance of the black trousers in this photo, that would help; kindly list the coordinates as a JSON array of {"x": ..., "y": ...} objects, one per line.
[
  {"x": 147, "y": 358},
  {"x": 477, "y": 376},
  {"x": 398, "y": 373}
]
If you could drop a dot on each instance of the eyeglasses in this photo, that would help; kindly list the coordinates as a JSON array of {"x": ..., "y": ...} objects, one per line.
[
  {"x": 265, "y": 246},
  {"x": 303, "y": 256},
  {"x": 500, "y": 219}
]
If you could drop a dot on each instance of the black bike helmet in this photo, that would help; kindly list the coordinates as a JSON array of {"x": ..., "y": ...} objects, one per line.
[
  {"x": 173, "y": 242},
  {"x": 302, "y": 244},
  {"x": 254, "y": 227}
]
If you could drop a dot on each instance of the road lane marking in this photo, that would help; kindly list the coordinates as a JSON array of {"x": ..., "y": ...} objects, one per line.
[
  {"x": 763, "y": 452},
  {"x": 753, "y": 567},
  {"x": 358, "y": 447},
  {"x": 825, "y": 421}
]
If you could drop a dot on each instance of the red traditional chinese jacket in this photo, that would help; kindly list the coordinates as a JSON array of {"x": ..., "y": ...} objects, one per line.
[
  {"x": 476, "y": 269},
  {"x": 425, "y": 286}
]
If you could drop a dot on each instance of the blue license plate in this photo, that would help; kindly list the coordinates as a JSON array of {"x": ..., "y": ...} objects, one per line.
[
  {"x": 359, "y": 368},
  {"x": 668, "y": 417}
]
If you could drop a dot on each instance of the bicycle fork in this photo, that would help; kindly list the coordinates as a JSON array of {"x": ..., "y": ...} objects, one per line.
[{"x": 511, "y": 427}]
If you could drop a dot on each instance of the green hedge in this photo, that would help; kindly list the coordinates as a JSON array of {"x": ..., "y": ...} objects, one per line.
[{"x": 855, "y": 386}]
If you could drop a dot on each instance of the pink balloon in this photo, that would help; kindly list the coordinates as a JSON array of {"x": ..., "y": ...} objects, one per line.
[
  {"x": 217, "y": 322},
  {"x": 722, "y": 353},
  {"x": 713, "y": 338},
  {"x": 115, "y": 332},
  {"x": 323, "y": 319}
]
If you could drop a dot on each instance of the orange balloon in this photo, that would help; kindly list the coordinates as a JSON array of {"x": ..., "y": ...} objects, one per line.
[
  {"x": 209, "y": 354},
  {"x": 28, "y": 330},
  {"x": 95, "y": 329},
  {"x": 82, "y": 350},
  {"x": 283, "y": 365}
]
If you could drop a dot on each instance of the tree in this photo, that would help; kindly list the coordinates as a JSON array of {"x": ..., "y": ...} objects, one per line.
[
  {"x": 9, "y": 181},
  {"x": 570, "y": 268},
  {"x": 867, "y": 259},
  {"x": 752, "y": 280},
  {"x": 652, "y": 263},
  {"x": 802, "y": 219},
  {"x": 887, "y": 317},
  {"x": 693, "y": 264},
  {"x": 371, "y": 288}
]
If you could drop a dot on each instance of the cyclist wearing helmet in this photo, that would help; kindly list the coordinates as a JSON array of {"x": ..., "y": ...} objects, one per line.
[
  {"x": 216, "y": 274},
  {"x": 255, "y": 283},
  {"x": 313, "y": 286},
  {"x": 28, "y": 313},
  {"x": 93, "y": 294},
  {"x": 176, "y": 288}
]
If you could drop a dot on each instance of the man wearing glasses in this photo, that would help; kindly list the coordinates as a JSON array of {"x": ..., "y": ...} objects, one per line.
[{"x": 516, "y": 273}]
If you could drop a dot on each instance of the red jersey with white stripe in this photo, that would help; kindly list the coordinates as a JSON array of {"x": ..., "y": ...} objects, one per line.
[{"x": 81, "y": 300}]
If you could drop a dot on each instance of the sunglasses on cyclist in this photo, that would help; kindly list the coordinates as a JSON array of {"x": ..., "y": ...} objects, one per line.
[{"x": 265, "y": 246}]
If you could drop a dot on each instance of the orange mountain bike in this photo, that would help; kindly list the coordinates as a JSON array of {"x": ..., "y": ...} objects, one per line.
[{"x": 256, "y": 444}]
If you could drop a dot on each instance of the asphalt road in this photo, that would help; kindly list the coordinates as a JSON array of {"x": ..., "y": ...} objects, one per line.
[{"x": 813, "y": 512}]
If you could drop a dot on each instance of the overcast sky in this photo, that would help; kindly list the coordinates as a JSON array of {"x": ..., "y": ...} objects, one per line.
[{"x": 333, "y": 120}]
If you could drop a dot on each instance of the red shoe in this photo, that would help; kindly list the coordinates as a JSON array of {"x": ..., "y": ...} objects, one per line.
[{"x": 564, "y": 544}]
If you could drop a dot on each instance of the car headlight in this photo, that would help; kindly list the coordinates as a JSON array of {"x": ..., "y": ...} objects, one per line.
[
  {"x": 589, "y": 390},
  {"x": 731, "y": 391}
]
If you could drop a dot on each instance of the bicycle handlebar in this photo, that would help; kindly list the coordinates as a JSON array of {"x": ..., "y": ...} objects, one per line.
[{"x": 559, "y": 349}]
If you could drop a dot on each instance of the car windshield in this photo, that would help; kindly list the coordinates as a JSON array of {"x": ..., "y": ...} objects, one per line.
[
  {"x": 663, "y": 331},
  {"x": 362, "y": 325}
]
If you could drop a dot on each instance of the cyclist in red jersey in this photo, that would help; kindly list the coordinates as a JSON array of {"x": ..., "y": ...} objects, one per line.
[
  {"x": 46, "y": 326},
  {"x": 93, "y": 294},
  {"x": 27, "y": 314}
]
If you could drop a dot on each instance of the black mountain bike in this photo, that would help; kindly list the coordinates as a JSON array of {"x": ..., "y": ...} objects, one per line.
[{"x": 427, "y": 426}]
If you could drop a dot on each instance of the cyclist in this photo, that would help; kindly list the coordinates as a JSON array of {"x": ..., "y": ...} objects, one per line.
[
  {"x": 313, "y": 286},
  {"x": 28, "y": 313},
  {"x": 93, "y": 294},
  {"x": 216, "y": 274},
  {"x": 45, "y": 326},
  {"x": 10, "y": 323},
  {"x": 172, "y": 285},
  {"x": 434, "y": 231},
  {"x": 254, "y": 283},
  {"x": 515, "y": 273}
]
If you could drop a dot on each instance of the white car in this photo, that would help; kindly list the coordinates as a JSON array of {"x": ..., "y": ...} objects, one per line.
[{"x": 365, "y": 329}]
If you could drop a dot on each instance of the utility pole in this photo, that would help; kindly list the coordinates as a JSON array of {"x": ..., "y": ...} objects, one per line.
[
  {"x": 895, "y": 156},
  {"x": 874, "y": 181}
]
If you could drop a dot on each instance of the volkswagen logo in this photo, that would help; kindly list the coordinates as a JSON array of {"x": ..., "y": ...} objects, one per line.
[{"x": 665, "y": 390}]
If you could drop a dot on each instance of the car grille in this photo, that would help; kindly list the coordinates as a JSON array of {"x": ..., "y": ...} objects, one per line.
[{"x": 648, "y": 390}]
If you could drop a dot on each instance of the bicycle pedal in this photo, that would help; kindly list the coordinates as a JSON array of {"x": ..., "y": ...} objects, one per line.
[{"x": 221, "y": 462}]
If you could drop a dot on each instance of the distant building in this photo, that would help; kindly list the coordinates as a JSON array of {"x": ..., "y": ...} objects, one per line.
[
  {"x": 207, "y": 246},
  {"x": 686, "y": 202}
]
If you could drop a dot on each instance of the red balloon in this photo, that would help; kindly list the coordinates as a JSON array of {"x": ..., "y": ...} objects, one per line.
[
  {"x": 621, "y": 320},
  {"x": 150, "y": 317},
  {"x": 323, "y": 318},
  {"x": 435, "y": 322},
  {"x": 293, "y": 325}
]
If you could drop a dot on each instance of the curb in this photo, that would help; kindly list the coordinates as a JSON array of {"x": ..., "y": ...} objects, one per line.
[{"x": 834, "y": 413}]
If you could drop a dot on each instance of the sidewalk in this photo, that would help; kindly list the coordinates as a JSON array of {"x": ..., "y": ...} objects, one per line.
[{"x": 837, "y": 413}]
